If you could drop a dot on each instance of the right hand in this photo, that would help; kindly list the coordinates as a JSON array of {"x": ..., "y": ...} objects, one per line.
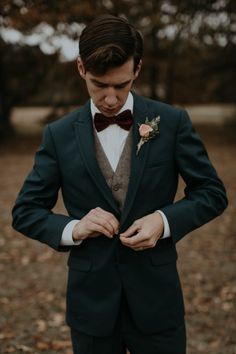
[{"x": 96, "y": 223}]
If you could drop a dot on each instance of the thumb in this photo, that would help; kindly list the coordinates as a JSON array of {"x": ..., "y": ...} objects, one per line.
[{"x": 130, "y": 231}]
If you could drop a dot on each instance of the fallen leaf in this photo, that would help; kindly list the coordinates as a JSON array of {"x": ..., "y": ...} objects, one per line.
[
  {"x": 69, "y": 351},
  {"x": 41, "y": 325},
  {"x": 24, "y": 348},
  {"x": 61, "y": 344},
  {"x": 7, "y": 335},
  {"x": 10, "y": 350},
  {"x": 42, "y": 345},
  {"x": 58, "y": 320}
]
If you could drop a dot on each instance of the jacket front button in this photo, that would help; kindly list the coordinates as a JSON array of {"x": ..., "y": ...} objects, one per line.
[{"x": 116, "y": 187}]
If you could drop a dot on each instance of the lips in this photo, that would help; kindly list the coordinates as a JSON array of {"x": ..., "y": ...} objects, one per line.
[{"x": 111, "y": 111}]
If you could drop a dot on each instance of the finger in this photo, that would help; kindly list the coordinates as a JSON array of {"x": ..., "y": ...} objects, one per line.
[
  {"x": 139, "y": 246},
  {"x": 138, "y": 249},
  {"x": 108, "y": 217},
  {"x": 132, "y": 241},
  {"x": 106, "y": 214},
  {"x": 102, "y": 219},
  {"x": 133, "y": 229},
  {"x": 96, "y": 228},
  {"x": 99, "y": 220},
  {"x": 146, "y": 243}
]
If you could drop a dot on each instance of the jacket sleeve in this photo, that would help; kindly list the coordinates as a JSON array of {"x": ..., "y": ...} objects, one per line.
[
  {"x": 32, "y": 213},
  {"x": 205, "y": 196}
]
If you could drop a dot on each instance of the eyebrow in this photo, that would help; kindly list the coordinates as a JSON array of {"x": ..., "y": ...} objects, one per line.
[{"x": 116, "y": 85}]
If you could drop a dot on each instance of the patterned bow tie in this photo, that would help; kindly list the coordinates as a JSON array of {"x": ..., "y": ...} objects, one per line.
[{"x": 124, "y": 120}]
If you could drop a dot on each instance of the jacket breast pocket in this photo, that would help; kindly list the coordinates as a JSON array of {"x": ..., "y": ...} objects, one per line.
[{"x": 158, "y": 164}]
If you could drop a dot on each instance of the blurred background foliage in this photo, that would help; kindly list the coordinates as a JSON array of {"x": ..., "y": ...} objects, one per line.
[{"x": 190, "y": 50}]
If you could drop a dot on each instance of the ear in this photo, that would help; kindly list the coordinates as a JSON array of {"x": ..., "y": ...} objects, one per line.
[
  {"x": 81, "y": 68},
  {"x": 136, "y": 74}
]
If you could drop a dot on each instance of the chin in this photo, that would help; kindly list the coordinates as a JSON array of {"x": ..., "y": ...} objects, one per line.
[{"x": 110, "y": 112}]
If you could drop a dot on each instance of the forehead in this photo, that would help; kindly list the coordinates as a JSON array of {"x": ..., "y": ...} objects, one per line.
[{"x": 116, "y": 75}]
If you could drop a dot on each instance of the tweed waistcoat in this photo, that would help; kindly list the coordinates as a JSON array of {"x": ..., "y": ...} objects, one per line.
[{"x": 117, "y": 180}]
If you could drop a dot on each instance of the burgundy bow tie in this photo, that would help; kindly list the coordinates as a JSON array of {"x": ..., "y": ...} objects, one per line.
[{"x": 124, "y": 120}]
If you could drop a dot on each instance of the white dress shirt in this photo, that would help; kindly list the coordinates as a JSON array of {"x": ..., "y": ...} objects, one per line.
[{"x": 113, "y": 140}]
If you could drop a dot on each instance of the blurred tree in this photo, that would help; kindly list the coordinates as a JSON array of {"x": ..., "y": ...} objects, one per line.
[
  {"x": 19, "y": 78},
  {"x": 218, "y": 61},
  {"x": 4, "y": 105},
  {"x": 22, "y": 66},
  {"x": 186, "y": 42}
]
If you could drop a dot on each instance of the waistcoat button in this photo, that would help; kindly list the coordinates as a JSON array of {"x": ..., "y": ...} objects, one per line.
[{"x": 116, "y": 187}]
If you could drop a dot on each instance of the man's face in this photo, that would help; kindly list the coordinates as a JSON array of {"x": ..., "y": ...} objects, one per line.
[{"x": 110, "y": 91}]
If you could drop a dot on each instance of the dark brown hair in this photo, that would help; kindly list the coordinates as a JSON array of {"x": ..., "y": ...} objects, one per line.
[{"x": 108, "y": 42}]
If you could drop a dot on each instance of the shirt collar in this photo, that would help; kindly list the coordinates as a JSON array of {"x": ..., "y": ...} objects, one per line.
[{"x": 129, "y": 104}]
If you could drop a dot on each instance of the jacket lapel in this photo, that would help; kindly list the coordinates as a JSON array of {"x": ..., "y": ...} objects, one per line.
[
  {"x": 85, "y": 140},
  {"x": 137, "y": 161}
]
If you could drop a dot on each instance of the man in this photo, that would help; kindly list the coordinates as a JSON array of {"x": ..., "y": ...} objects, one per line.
[{"x": 117, "y": 161}]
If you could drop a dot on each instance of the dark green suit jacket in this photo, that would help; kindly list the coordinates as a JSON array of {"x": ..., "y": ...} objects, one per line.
[{"x": 101, "y": 268}]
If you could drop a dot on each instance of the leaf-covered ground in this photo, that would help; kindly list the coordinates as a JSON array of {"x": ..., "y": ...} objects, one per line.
[{"x": 33, "y": 277}]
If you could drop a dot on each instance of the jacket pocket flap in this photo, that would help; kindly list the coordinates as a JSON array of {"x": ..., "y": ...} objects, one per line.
[
  {"x": 81, "y": 264},
  {"x": 159, "y": 258}
]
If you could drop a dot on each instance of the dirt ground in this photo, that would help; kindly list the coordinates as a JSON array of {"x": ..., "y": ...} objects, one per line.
[{"x": 33, "y": 277}]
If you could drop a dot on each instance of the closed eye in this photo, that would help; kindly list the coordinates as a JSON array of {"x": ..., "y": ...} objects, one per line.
[
  {"x": 98, "y": 84},
  {"x": 117, "y": 87},
  {"x": 123, "y": 85}
]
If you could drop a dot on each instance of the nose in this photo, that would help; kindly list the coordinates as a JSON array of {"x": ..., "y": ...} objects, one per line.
[{"x": 110, "y": 98}]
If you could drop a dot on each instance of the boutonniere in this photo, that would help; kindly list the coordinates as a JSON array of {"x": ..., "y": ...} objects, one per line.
[{"x": 148, "y": 131}]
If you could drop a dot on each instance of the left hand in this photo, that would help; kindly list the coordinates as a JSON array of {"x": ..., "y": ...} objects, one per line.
[{"x": 143, "y": 233}]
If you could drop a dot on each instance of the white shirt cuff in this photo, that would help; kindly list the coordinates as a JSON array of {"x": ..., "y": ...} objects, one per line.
[
  {"x": 166, "y": 225},
  {"x": 67, "y": 239}
]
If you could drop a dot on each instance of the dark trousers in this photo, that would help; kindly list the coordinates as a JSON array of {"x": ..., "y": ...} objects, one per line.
[{"x": 127, "y": 336}]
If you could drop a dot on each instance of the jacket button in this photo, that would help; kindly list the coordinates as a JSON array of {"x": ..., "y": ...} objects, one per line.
[{"x": 116, "y": 187}]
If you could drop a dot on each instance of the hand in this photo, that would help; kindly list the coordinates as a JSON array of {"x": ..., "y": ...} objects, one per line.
[
  {"x": 96, "y": 223},
  {"x": 143, "y": 233}
]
